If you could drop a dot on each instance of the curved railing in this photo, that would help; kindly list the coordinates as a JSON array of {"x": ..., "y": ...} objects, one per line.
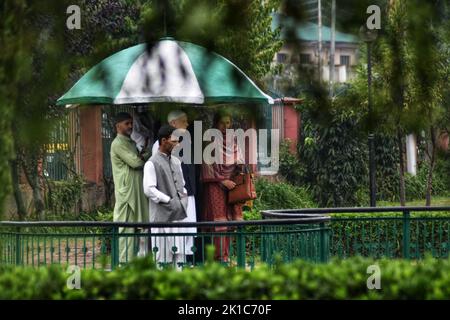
[
  {"x": 108, "y": 244},
  {"x": 312, "y": 234}
]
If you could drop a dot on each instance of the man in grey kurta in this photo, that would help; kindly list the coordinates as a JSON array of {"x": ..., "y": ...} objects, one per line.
[
  {"x": 127, "y": 165},
  {"x": 164, "y": 185}
]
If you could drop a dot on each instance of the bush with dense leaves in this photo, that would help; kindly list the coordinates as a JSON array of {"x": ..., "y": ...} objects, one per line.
[
  {"x": 416, "y": 185},
  {"x": 377, "y": 234},
  {"x": 443, "y": 170},
  {"x": 291, "y": 169},
  {"x": 339, "y": 279},
  {"x": 387, "y": 168},
  {"x": 335, "y": 156},
  {"x": 281, "y": 195}
]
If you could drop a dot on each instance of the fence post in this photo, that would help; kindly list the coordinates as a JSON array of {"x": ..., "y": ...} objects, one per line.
[
  {"x": 115, "y": 248},
  {"x": 323, "y": 243},
  {"x": 18, "y": 260},
  {"x": 406, "y": 235},
  {"x": 240, "y": 247}
]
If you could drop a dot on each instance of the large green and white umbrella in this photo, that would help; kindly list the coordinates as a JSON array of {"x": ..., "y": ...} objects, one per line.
[{"x": 169, "y": 71}]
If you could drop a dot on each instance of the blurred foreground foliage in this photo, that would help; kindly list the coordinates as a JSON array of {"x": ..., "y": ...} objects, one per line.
[
  {"x": 339, "y": 279},
  {"x": 40, "y": 58}
]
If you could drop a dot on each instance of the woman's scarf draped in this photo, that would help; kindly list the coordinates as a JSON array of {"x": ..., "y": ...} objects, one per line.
[{"x": 231, "y": 156}]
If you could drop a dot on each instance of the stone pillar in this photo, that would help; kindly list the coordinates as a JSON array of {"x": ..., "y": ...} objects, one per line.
[
  {"x": 291, "y": 125},
  {"x": 411, "y": 154},
  {"x": 91, "y": 143}
]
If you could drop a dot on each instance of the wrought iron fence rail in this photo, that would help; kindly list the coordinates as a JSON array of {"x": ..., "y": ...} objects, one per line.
[
  {"x": 244, "y": 243},
  {"x": 310, "y": 234},
  {"x": 298, "y": 220},
  {"x": 289, "y": 212},
  {"x": 400, "y": 236}
]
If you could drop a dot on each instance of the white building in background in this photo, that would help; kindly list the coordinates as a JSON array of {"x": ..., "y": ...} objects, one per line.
[{"x": 306, "y": 51}]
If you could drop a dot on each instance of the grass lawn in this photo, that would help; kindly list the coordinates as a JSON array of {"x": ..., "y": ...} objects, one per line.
[{"x": 435, "y": 201}]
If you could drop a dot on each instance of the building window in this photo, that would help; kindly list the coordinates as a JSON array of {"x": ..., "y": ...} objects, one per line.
[
  {"x": 305, "y": 58},
  {"x": 282, "y": 57},
  {"x": 345, "y": 60}
]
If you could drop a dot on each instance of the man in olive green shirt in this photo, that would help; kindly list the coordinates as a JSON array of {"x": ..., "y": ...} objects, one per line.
[{"x": 127, "y": 168}]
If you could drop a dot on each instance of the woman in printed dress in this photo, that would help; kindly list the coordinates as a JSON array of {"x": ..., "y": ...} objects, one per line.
[{"x": 217, "y": 182}]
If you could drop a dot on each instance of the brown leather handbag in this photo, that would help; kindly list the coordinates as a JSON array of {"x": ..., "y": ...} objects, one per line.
[{"x": 245, "y": 187}]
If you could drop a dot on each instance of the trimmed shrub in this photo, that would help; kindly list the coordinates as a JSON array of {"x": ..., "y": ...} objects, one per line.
[
  {"x": 339, "y": 279},
  {"x": 334, "y": 155},
  {"x": 416, "y": 185},
  {"x": 291, "y": 168},
  {"x": 381, "y": 234},
  {"x": 442, "y": 170},
  {"x": 281, "y": 195}
]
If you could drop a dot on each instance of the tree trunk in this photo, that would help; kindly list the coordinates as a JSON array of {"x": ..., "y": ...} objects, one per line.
[
  {"x": 39, "y": 204},
  {"x": 432, "y": 158},
  {"x": 401, "y": 167},
  {"x": 20, "y": 203},
  {"x": 109, "y": 191},
  {"x": 15, "y": 166},
  {"x": 31, "y": 172}
]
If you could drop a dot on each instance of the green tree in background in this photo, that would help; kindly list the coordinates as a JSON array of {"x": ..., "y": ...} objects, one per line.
[
  {"x": 253, "y": 47},
  {"x": 51, "y": 57},
  {"x": 410, "y": 71},
  {"x": 30, "y": 71},
  {"x": 333, "y": 150},
  {"x": 40, "y": 58},
  {"x": 239, "y": 30},
  {"x": 410, "y": 81}
]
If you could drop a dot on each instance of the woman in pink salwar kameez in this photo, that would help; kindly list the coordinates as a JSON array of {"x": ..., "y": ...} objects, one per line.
[{"x": 217, "y": 182}]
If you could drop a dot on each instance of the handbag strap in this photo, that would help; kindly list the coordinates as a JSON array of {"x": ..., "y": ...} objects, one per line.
[{"x": 246, "y": 169}]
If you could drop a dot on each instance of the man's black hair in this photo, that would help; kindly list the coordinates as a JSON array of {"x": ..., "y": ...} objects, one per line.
[
  {"x": 122, "y": 116},
  {"x": 165, "y": 132}
]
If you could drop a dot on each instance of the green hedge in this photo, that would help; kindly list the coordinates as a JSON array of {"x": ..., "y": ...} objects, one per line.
[
  {"x": 339, "y": 279},
  {"x": 429, "y": 232},
  {"x": 280, "y": 195}
]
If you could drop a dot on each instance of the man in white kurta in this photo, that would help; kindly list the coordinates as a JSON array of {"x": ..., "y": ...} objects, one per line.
[
  {"x": 164, "y": 185},
  {"x": 179, "y": 120}
]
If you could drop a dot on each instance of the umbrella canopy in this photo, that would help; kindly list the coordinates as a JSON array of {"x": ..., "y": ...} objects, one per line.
[{"x": 169, "y": 71}]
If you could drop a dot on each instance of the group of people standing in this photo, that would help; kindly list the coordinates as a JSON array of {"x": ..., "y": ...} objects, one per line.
[{"x": 157, "y": 186}]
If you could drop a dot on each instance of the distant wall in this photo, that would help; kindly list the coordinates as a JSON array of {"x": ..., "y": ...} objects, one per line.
[
  {"x": 291, "y": 126},
  {"x": 93, "y": 197},
  {"x": 443, "y": 141},
  {"x": 91, "y": 144}
]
